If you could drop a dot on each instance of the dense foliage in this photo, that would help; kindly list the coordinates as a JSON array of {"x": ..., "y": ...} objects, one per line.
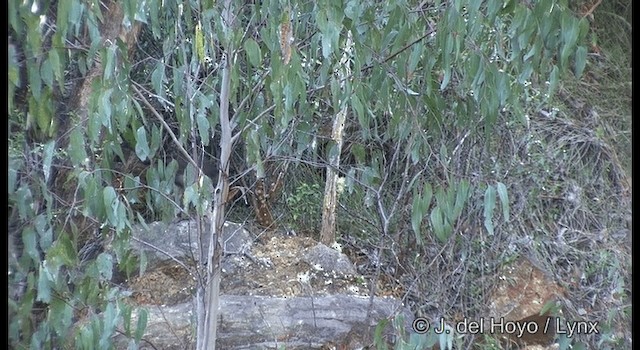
[{"x": 110, "y": 102}]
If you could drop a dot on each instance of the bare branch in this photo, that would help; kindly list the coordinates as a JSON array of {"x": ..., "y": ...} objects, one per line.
[{"x": 167, "y": 128}]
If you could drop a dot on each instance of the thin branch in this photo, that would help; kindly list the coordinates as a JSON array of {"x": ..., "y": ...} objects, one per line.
[
  {"x": 593, "y": 8},
  {"x": 258, "y": 86},
  {"x": 393, "y": 55},
  {"x": 251, "y": 122},
  {"x": 166, "y": 126},
  {"x": 162, "y": 99},
  {"x": 162, "y": 251},
  {"x": 385, "y": 60}
]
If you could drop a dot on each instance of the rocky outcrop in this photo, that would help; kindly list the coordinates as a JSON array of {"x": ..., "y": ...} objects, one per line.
[
  {"x": 285, "y": 292},
  {"x": 260, "y": 322}
]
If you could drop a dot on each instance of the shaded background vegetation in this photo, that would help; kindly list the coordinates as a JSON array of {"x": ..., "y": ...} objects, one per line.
[{"x": 564, "y": 158}]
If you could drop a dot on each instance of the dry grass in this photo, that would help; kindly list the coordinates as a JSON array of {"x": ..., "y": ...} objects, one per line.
[{"x": 568, "y": 172}]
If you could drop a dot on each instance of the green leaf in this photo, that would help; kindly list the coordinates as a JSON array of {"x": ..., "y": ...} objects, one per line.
[
  {"x": 155, "y": 28},
  {"x": 62, "y": 17},
  {"x": 142, "y": 146},
  {"x": 527, "y": 70},
  {"x": 504, "y": 200},
  {"x": 492, "y": 10},
  {"x": 94, "y": 125},
  {"x": 190, "y": 195},
  {"x": 45, "y": 232},
  {"x": 129, "y": 10},
  {"x": 30, "y": 244},
  {"x": 178, "y": 87},
  {"x": 477, "y": 82},
  {"x": 105, "y": 266},
  {"x": 421, "y": 204},
  {"x": 462, "y": 194},
  {"x": 12, "y": 178},
  {"x": 533, "y": 51},
  {"x": 157, "y": 78},
  {"x": 109, "y": 320},
  {"x": 378, "y": 340},
  {"x": 442, "y": 198},
  {"x": 57, "y": 66},
  {"x": 446, "y": 78},
  {"x": 358, "y": 152},
  {"x": 473, "y": 65},
  {"x": 333, "y": 151},
  {"x": 105, "y": 110},
  {"x": 46, "y": 73},
  {"x": 357, "y": 106},
  {"x": 502, "y": 88},
  {"x": 489, "y": 206},
  {"x": 142, "y": 324},
  {"x": 437, "y": 224},
  {"x": 63, "y": 316},
  {"x": 141, "y": 12},
  {"x": 427, "y": 195},
  {"x": 416, "y": 152},
  {"x": 570, "y": 32},
  {"x": 253, "y": 52},
  {"x": 423, "y": 341},
  {"x": 44, "y": 285},
  {"x": 41, "y": 110},
  {"x": 370, "y": 175},
  {"x": 126, "y": 319},
  {"x": 77, "y": 152},
  {"x": 203, "y": 129},
  {"x": 549, "y": 306},
  {"x": 352, "y": 10},
  {"x": 580, "y": 61},
  {"x": 64, "y": 251},
  {"x": 48, "y": 158},
  {"x": 553, "y": 80},
  {"x": 13, "y": 71},
  {"x": 417, "y": 214},
  {"x": 14, "y": 15},
  {"x": 35, "y": 82},
  {"x": 86, "y": 338},
  {"x": 111, "y": 203},
  {"x": 474, "y": 6},
  {"x": 579, "y": 346},
  {"x": 110, "y": 62},
  {"x": 156, "y": 140},
  {"x": 446, "y": 338},
  {"x": 330, "y": 26},
  {"x": 404, "y": 33},
  {"x": 75, "y": 16},
  {"x": 24, "y": 201}
]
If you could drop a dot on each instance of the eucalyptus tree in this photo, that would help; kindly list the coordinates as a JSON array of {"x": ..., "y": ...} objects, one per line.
[{"x": 94, "y": 84}]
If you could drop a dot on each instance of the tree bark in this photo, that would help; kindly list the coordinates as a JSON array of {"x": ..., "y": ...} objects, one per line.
[
  {"x": 328, "y": 230},
  {"x": 208, "y": 332}
]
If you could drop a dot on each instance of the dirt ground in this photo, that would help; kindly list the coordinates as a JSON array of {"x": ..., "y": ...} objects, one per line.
[{"x": 273, "y": 267}]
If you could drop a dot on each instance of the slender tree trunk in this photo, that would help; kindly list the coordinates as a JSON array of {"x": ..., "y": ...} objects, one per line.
[
  {"x": 212, "y": 303},
  {"x": 328, "y": 231}
]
